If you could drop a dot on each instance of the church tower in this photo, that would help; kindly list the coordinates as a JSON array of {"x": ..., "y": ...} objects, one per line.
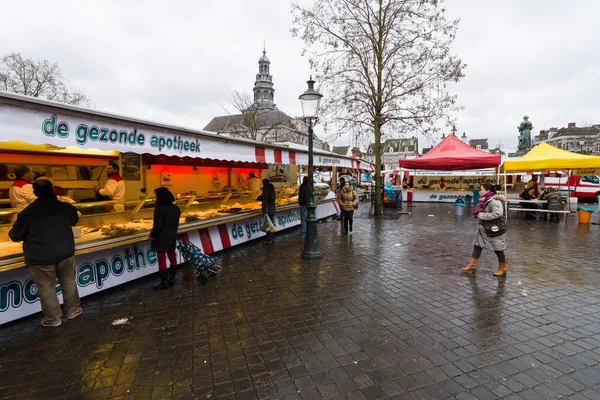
[{"x": 263, "y": 86}]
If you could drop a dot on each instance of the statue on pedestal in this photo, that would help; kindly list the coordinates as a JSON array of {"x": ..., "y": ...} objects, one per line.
[{"x": 525, "y": 129}]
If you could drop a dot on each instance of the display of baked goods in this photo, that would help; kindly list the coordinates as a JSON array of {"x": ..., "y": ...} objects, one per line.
[{"x": 91, "y": 234}]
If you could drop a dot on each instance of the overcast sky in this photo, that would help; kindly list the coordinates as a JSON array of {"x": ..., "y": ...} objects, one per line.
[{"x": 178, "y": 61}]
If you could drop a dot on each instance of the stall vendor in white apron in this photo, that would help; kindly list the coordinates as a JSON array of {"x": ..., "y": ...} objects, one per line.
[
  {"x": 114, "y": 188},
  {"x": 21, "y": 191}
]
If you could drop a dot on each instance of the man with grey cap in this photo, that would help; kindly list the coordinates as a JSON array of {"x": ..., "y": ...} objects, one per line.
[{"x": 44, "y": 227}]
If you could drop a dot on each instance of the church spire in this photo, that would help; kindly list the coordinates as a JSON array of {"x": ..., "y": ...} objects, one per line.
[{"x": 263, "y": 86}]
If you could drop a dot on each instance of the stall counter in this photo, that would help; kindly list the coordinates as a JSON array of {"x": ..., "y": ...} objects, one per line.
[{"x": 117, "y": 261}]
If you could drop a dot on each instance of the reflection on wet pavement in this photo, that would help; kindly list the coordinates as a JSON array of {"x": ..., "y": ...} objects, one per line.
[{"x": 386, "y": 313}]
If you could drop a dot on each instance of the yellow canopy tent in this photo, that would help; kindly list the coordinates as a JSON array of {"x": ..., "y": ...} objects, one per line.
[{"x": 545, "y": 157}]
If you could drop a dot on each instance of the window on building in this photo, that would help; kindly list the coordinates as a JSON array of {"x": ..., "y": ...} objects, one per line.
[
  {"x": 406, "y": 150},
  {"x": 598, "y": 146},
  {"x": 478, "y": 147}
]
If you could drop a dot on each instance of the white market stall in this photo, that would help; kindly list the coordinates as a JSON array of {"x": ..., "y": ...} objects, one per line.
[
  {"x": 207, "y": 172},
  {"x": 445, "y": 186}
]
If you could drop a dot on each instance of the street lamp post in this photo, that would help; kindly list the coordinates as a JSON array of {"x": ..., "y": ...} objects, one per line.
[{"x": 311, "y": 100}]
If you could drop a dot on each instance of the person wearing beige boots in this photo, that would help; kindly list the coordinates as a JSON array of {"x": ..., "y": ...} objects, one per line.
[{"x": 490, "y": 207}]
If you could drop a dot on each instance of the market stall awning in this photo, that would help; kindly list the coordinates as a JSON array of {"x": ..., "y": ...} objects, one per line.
[
  {"x": 452, "y": 154},
  {"x": 41, "y": 122},
  {"x": 545, "y": 157}
]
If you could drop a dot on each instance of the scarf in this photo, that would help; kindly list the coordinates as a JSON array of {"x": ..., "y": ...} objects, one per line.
[{"x": 481, "y": 204}]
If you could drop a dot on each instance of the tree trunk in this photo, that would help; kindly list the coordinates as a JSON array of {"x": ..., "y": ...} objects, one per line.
[{"x": 378, "y": 188}]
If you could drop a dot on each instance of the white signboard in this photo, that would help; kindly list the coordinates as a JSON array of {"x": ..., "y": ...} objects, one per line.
[
  {"x": 438, "y": 196},
  {"x": 87, "y": 131},
  {"x": 63, "y": 130},
  {"x": 477, "y": 172}
]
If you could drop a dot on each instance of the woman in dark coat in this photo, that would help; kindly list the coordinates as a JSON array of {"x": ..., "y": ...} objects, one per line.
[
  {"x": 268, "y": 205},
  {"x": 163, "y": 236}
]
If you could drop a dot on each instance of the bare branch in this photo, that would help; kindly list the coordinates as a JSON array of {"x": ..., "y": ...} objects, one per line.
[
  {"x": 383, "y": 65},
  {"x": 251, "y": 120},
  {"x": 38, "y": 79}
]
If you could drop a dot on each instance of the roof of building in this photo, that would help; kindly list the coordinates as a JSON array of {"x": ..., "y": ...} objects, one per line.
[
  {"x": 578, "y": 131},
  {"x": 267, "y": 119},
  {"x": 341, "y": 150},
  {"x": 497, "y": 151},
  {"x": 264, "y": 57},
  {"x": 479, "y": 142}
]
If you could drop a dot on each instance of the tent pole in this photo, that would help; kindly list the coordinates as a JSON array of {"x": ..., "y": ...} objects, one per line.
[
  {"x": 569, "y": 189},
  {"x": 505, "y": 196},
  {"x": 574, "y": 190}
]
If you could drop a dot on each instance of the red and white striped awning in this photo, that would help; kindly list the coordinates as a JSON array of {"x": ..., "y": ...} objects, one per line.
[{"x": 299, "y": 157}]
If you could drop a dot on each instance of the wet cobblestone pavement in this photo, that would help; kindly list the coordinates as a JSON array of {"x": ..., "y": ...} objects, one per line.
[{"x": 386, "y": 314}]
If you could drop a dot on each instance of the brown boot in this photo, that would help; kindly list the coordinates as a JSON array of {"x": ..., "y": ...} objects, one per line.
[
  {"x": 471, "y": 266},
  {"x": 501, "y": 270}
]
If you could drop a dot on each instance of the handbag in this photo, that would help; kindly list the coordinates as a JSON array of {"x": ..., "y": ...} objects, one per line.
[{"x": 495, "y": 227}]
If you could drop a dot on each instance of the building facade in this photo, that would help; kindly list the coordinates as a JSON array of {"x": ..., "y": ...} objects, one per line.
[
  {"x": 584, "y": 140},
  {"x": 394, "y": 150}
]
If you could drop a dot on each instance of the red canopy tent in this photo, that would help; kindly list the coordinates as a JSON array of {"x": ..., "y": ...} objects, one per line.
[{"x": 452, "y": 154}]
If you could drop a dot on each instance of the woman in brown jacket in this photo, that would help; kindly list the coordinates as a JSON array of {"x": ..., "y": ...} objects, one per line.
[{"x": 348, "y": 200}]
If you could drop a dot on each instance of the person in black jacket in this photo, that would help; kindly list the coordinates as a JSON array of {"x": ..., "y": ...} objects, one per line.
[
  {"x": 268, "y": 205},
  {"x": 303, "y": 202},
  {"x": 44, "y": 227},
  {"x": 529, "y": 194},
  {"x": 163, "y": 237}
]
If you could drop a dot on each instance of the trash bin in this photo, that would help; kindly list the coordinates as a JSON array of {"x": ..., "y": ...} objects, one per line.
[
  {"x": 585, "y": 214},
  {"x": 459, "y": 206}
]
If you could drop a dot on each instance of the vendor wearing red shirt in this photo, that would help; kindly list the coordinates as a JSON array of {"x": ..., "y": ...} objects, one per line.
[{"x": 443, "y": 184}]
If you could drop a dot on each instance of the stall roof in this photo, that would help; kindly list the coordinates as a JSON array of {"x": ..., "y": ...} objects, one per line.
[
  {"x": 38, "y": 121},
  {"x": 545, "y": 157},
  {"x": 452, "y": 154}
]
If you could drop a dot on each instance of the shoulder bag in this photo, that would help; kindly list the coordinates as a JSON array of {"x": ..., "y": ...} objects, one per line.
[{"x": 495, "y": 227}]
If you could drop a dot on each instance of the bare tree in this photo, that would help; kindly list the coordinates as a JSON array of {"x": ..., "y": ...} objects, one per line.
[
  {"x": 252, "y": 120},
  {"x": 38, "y": 79},
  {"x": 381, "y": 63}
]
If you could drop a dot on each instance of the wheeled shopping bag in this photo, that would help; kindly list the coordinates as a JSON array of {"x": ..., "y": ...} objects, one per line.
[{"x": 206, "y": 266}]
